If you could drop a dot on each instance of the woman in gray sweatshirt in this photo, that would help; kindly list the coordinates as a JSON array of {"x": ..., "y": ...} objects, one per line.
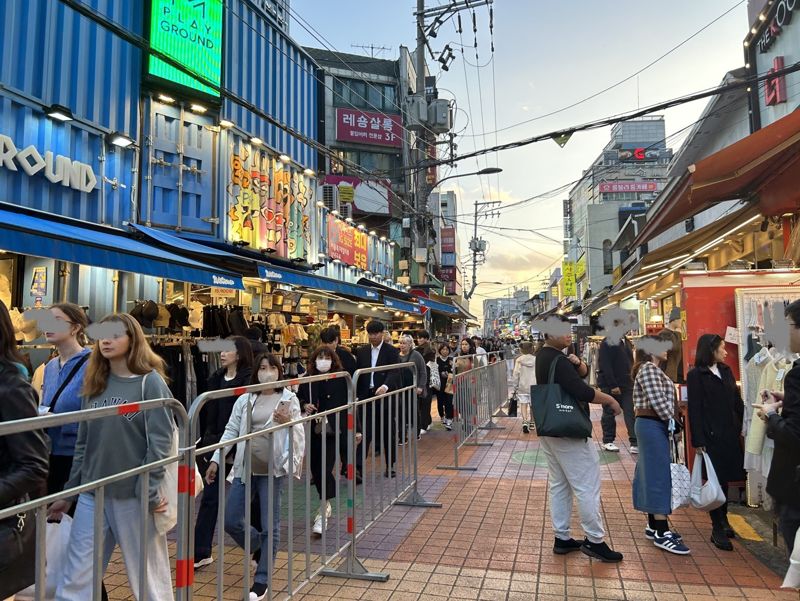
[{"x": 122, "y": 369}]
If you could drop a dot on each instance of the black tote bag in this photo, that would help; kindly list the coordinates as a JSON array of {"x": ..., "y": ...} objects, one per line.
[{"x": 555, "y": 412}]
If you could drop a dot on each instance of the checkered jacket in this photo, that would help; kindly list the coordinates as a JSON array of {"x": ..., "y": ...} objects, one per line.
[{"x": 653, "y": 390}]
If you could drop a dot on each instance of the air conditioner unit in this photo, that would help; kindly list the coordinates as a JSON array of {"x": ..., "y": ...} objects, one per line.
[
  {"x": 440, "y": 117},
  {"x": 330, "y": 197}
]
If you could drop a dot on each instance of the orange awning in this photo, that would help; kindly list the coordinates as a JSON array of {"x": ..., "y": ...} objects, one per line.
[{"x": 765, "y": 164}]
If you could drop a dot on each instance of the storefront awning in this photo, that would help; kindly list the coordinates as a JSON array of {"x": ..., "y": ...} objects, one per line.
[
  {"x": 765, "y": 163},
  {"x": 398, "y": 305},
  {"x": 182, "y": 244},
  {"x": 444, "y": 308},
  {"x": 36, "y": 234},
  {"x": 280, "y": 275},
  {"x": 386, "y": 290}
]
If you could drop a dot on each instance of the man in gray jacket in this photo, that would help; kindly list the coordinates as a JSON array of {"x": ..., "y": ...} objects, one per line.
[{"x": 409, "y": 355}]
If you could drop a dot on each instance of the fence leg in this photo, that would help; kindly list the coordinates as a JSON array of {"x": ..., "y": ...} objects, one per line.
[
  {"x": 413, "y": 498},
  {"x": 456, "y": 466}
]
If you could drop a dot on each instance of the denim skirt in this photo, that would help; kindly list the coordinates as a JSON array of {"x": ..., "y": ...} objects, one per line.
[{"x": 652, "y": 482}]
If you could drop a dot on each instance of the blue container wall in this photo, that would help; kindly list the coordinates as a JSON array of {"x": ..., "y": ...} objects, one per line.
[
  {"x": 267, "y": 69},
  {"x": 28, "y": 126},
  {"x": 53, "y": 54}
]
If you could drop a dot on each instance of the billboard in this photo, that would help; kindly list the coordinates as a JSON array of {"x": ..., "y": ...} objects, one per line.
[
  {"x": 364, "y": 127},
  {"x": 347, "y": 244}
]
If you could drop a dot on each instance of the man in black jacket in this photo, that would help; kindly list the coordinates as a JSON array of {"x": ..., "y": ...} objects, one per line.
[
  {"x": 332, "y": 338},
  {"x": 614, "y": 377},
  {"x": 373, "y": 384},
  {"x": 783, "y": 483}
]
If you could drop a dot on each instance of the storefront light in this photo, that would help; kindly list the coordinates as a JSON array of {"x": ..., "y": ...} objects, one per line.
[
  {"x": 374, "y": 308},
  {"x": 337, "y": 261},
  {"x": 166, "y": 99},
  {"x": 285, "y": 158},
  {"x": 335, "y": 212},
  {"x": 383, "y": 238},
  {"x": 256, "y": 141},
  {"x": 373, "y": 233},
  {"x": 754, "y": 31},
  {"x": 746, "y": 44},
  {"x": 119, "y": 139},
  {"x": 309, "y": 172},
  {"x": 762, "y": 17},
  {"x": 361, "y": 305},
  {"x": 348, "y": 219},
  {"x": 59, "y": 113},
  {"x": 198, "y": 108},
  {"x": 225, "y": 124},
  {"x": 362, "y": 227}
]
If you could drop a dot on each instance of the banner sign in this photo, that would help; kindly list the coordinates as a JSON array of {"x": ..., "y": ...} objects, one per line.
[
  {"x": 363, "y": 127},
  {"x": 606, "y": 187},
  {"x": 568, "y": 278},
  {"x": 346, "y": 243}
]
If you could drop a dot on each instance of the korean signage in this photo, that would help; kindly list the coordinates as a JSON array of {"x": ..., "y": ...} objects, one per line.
[
  {"x": 447, "y": 274},
  {"x": 775, "y": 88},
  {"x": 606, "y": 187},
  {"x": 363, "y": 127},
  {"x": 58, "y": 169},
  {"x": 346, "y": 243},
  {"x": 448, "y": 239},
  {"x": 568, "y": 278},
  {"x": 189, "y": 32},
  {"x": 781, "y": 16},
  {"x": 580, "y": 267}
]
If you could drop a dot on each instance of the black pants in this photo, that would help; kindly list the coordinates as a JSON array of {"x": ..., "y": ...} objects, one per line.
[
  {"x": 609, "y": 420},
  {"x": 788, "y": 522},
  {"x": 384, "y": 413},
  {"x": 720, "y": 513},
  {"x": 445, "y": 403},
  {"x": 424, "y": 411},
  {"x": 207, "y": 513},
  {"x": 320, "y": 470}
]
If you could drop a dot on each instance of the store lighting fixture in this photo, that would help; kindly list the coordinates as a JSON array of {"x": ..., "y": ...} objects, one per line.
[
  {"x": 335, "y": 212},
  {"x": 348, "y": 219},
  {"x": 747, "y": 65},
  {"x": 198, "y": 108},
  {"x": 383, "y": 238},
  {"x": 362, "y": 227},
  {"x": 119, "y": 139},
  {"x": 374, "y": 308},
  {"x": 397, "y": 314},
  {"x": 754, "y": 31},
  {"x": 666, "y": 261},
  {"x": 320, "y": 204},
  {"x": 337, "y": 261},
  {"x": 309, "y": 172},
  {"x": 285, "y": 158},
  {"x": 762, "y": 17},
  {"x": 392, "y": 243},
  {"x": 634, "y": 286},
  {"x": 59, "y": 113},
  {"x": 372, "y": 233},
  {"x": 166, "y": 99},
  {"x": 746, "y": 43},
  {"x": 256, "y": 141},
  {"x": 225, "y": 124}
]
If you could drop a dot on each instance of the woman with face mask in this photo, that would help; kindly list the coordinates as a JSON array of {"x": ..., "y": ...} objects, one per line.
[
  {"x": 269, "y": 457},
  {"x": 316, "y": 397},
  {"x": 235, "y": 371}
]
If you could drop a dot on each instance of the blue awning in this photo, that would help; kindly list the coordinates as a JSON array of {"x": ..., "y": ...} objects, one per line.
[
  {"x": 182, "y": 244},
  {"x": 281, "y": 275},
  {"x": 440, "y": 307},
  {"x": 398, "y": 305},
  {"x": 101, "y": 246}
]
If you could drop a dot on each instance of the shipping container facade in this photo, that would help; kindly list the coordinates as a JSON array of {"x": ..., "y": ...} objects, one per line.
[{"x": 268, "y": 70}]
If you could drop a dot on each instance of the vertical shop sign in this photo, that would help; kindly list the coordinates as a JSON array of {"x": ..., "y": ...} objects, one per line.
[
  {"x": 189, "y": 32},
  {"x": 568, "y": 278},
  {"x": 39, "y": 281}
]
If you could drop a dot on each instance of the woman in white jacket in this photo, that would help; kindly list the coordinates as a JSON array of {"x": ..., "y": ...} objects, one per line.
[
  {"x": 523, "y": 378},
  {"x": 269, "y": 407}
]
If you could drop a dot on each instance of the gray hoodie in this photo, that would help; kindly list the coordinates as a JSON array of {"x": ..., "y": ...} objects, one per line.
[{"x": 115, "y": 444}]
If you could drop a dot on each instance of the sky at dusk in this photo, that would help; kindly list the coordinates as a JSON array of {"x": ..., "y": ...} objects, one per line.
[{"x": 548, "y": 55}]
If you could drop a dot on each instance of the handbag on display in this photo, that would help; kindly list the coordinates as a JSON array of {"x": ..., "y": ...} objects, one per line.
[
  {"x": 555, "y": 412},
  {"x": 679, "y": 473},
  {"x": 710, "y": 495}
]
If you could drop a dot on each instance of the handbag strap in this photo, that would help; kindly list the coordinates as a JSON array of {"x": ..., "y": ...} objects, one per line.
[
  {"x": 75, "y": 369},
  {"x": 551, "y": 376}
]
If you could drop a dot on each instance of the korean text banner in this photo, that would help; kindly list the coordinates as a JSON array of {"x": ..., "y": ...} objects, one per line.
[
  {"x": 363, "y": 127},
  {"x": 347, "y": 243}
]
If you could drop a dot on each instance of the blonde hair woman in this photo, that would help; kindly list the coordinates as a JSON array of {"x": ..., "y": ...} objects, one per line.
[{"x": 122, "y": 369}]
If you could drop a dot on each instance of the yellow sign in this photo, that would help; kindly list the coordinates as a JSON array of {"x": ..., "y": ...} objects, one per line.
[
  {"x": 617, "y": 275},
  {"x": 568, "y": 278},
  {"x": 554, "y": 292},
  {"x": 346, "y": 193},
  {"x": 580, "y": 268}
]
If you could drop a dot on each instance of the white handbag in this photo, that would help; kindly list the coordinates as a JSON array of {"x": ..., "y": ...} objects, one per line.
[
  {"x": 709, "y": 495},
  {"x": 681, "y": 480}
]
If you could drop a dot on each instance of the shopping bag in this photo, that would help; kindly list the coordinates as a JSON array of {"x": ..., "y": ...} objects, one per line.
[
  {"x": 513, "y": 405},
  {"x": 56, "y": 552},
  {"x": 706, "y": 496},
  {"x": 556, "y": 413},
  {"x": 681, "y": 479},
  {"x": 792, "y": 579},
  {"x": 166, "y": 520}
]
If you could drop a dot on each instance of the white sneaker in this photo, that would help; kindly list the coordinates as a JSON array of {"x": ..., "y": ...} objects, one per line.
[
  {"x": 610, "y": 447},
  {"x": 317, "y": 528},
  {"x": 634, "y": 449},
  {"x": 422, "y": 432},
  {"x": 206, "y": 561}
]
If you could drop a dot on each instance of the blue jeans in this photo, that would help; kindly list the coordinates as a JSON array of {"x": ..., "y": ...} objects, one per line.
[{"x": 236, "y": 527}]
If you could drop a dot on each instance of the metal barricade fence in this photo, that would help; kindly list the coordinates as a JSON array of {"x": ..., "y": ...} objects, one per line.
[{"x": 97, "y": 488}]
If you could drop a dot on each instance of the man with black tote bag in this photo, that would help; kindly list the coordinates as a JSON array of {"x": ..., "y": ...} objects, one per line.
[{"x": 573, "y": 463}]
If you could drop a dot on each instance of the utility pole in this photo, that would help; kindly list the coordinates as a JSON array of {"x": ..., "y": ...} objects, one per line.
[{"x": 478, "y": 245}]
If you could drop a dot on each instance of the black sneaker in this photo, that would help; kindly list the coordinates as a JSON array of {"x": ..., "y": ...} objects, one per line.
[
  {"x": 562, "y": 547},
  {"x": 258, "y": 591},
  {"x": 720, "y": 538},
  {"x": 600, "y": 551},
  {"x": 525, "y": 427}
]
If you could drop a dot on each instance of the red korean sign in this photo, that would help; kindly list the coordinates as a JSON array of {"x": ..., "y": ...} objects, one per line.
[
  {"x": 363, "y": 127},
  {"x": 628, "y": 187},
  {"x": 346, "y": 243}
]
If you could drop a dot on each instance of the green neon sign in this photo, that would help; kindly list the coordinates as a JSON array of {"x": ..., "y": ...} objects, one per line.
[{"x": 190, "y": 32}]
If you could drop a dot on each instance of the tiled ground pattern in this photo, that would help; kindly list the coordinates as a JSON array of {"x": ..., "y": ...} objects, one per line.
[{"x": 492, "y": 540}]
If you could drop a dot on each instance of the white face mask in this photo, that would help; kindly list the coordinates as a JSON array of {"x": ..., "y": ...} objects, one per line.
[
  {"x": 265, "y": 376},
  {"x": 323, "y": 365}
]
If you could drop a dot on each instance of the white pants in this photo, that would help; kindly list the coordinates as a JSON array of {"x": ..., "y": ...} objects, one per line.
[
  {"x": 574, "y": 469},
  {"x": 121, "y": 522}
]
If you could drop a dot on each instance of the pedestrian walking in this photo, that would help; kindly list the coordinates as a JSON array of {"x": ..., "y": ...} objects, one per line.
[
  {"x": 122, "y": 370},
  {"x": 615, "y": 361},
  {"x": 409, "y": 355},
  {"x": 424, "y": 417},
  {"x": 331, "y": 338},
  {"x": 573, "y": 463},
  {"x": 269, "y": 456},
  {"x": 235, "y": 372},
  {"x": 716, "y": 411},
  {"x": 655, "y": 406},
  {"x": 23, "y": 466},
  {"x": 523, "y": 377},
  {"x": 444, "y": 397}
]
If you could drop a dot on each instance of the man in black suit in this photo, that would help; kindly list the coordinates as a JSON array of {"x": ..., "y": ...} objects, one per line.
[{"x": 372, "y": 384}]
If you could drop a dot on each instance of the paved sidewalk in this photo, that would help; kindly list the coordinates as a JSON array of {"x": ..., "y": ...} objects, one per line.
[{"x": 492, "y": 540}]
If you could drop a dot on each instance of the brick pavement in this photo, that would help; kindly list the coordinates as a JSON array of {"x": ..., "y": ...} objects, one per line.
[{"x": 492, "y": 540}]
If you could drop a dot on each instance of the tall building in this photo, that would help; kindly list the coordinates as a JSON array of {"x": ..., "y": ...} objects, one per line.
[
  {"x": 501, "y": 311},
  {"x": 623, "y": 180}
]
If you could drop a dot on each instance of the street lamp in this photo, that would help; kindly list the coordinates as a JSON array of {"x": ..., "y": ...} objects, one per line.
[{"x": 486, "y": 171}]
